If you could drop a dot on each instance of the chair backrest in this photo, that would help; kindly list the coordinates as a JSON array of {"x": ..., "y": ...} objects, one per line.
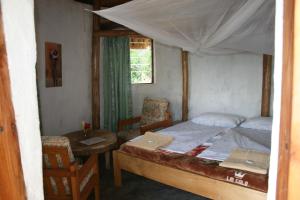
[
  {"x": 154, "y": 110},
  {"x": 57, "y": 154}
]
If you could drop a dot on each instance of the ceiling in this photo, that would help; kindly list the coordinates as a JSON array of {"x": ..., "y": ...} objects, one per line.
[{"x": 104, "y": 23}]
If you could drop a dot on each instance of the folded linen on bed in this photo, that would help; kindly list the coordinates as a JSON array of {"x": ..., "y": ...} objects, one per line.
[
  {"x": 151, "y": 141},
  {"x": 189, "y": 135},
  {"x": 230, "y": 141},
  {"x": 248, "y": 160}
]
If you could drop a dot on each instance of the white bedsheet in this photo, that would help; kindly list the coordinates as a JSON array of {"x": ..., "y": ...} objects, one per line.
[
  {"x": 238, "y": 138},
  {"x": 188, "y": 135}
]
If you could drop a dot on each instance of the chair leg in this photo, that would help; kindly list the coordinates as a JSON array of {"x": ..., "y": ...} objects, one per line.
[
  {"x": 117, "y": 170},
  {"x": 107, "y": 160},
  {"x": 97, "y": 192}
]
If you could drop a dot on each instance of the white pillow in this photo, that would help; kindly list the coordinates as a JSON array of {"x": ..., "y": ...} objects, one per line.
[
  {"x": 219, "y": 119},
  {"x": 260, "y": 123}
]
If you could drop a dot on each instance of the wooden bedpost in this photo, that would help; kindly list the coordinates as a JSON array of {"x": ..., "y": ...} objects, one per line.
[
  {"x": 185, "y": 85},
  {"x": 95, "y": 68},
  {"x": 266, "y": 85}
]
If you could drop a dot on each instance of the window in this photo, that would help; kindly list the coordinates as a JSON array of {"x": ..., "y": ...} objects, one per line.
[{"x": 141, "y": 60}]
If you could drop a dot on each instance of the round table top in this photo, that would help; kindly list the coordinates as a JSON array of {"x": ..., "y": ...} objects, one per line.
[{"x": 80, "y": 149}]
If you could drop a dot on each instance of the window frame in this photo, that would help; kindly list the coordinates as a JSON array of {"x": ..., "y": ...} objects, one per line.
[{"x": 152, "y": 61}]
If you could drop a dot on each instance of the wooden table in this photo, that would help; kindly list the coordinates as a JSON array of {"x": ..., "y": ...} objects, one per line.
[{"x": 86, "y": 150}]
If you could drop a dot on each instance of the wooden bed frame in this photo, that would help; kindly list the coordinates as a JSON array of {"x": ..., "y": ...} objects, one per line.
[{"x": 194, "y": 183}]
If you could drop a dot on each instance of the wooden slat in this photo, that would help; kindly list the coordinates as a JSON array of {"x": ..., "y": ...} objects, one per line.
[
  {"x": 88, "y": 188},
  {"x": 59, "y": 185},
  {"x": 185, "y": 85},
  {"x": 286, "y": 101},
  {"x": 48, "y": 190},
  {"x": 125, "y": 122},
  {"x": 294, "y": 167},
  {"x": 187, "y": 181},
  {"x": 87, "y": 167},
  {"x": 11, "y": 174},
  {"x": 57, "y": 172},
  {"x": 95, "y": 69},
  {"x": 52, "y": 151},
  {"x": 113, "y": 33},
  {"x": 266, "y": 85}
]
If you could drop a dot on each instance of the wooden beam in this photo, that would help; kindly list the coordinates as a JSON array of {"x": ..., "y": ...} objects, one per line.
[
  {"x": 105, "y": 3},
  {"x": 112, "y": 33},
  {"x": 11, "y": 174},
  {"x": 185, "y": 85},
  {"x": 266, "y": 85},
  {"x": 286, "y": 154},
  {"x": 288, "y": 175},
  {"x": 95, "y": 69}
]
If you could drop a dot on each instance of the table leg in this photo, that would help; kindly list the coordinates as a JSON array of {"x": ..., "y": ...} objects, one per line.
[{"x": 107, "y": 160}]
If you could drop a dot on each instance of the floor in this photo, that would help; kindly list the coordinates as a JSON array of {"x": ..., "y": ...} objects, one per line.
[{"x": 138, "y": 188}]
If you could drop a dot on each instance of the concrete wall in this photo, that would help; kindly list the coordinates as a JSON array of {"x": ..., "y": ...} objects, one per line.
[
  {"x": 230, "y": 83},
  {"x": 18, "y": 20},
  {"x": 167, "y": 82},
  {"x": 65, "y": 22}
]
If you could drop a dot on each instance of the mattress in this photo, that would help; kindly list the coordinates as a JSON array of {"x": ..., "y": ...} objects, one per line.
[
  {"x": 189, "y": 135},
  {"x": 242, "y": 138}
]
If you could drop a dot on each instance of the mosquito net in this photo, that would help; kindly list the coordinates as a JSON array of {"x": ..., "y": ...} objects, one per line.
[{"x": 201, "y": 26}]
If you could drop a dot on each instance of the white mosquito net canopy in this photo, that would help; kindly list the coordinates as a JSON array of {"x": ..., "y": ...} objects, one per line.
[{"x": 201, "y": 26}]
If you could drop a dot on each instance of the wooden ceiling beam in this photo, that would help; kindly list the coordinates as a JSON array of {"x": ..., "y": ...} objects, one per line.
[
  {"x": 105, "y": 3},
  {"x": 111, "y": 33}
]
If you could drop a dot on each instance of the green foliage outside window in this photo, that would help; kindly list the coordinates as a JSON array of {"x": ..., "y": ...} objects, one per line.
[{"x": 141, "y": 65}]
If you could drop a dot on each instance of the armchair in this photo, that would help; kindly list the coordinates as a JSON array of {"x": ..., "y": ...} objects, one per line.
[
  {"x": 155, "y": 115},
  {"x": 64, "y": 178}
]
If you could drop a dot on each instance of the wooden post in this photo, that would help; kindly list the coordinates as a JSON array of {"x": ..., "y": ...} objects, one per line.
[
  {"x": 288, "y": 175},
  {"x": 266, "y": 85},
  {"x": 185, "y": 85},
  {"x": 11, "y": 174},
  {"x": 95, "y": 69}
]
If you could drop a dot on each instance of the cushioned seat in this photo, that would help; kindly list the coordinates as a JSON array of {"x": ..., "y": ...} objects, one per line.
[{"x": 155, "y": 115}]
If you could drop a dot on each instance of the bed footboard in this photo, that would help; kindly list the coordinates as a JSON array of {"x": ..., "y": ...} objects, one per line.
[{"x": 184, "y": 180}]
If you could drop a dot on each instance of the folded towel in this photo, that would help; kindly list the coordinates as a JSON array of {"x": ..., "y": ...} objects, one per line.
[
  {"x": 151, "y": 141},
  {"x": 248, "y": 160}
]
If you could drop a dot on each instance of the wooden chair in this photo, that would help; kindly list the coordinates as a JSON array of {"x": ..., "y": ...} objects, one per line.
[
  {"x": 155, "y": 115},
  {"x": 64, "y": 178}
]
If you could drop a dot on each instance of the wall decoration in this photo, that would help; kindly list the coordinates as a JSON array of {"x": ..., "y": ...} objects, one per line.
[{"x": 53, "y": 62}]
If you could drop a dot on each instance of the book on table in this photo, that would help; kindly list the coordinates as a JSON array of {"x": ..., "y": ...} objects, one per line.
[{"x": 92, "y": 140}]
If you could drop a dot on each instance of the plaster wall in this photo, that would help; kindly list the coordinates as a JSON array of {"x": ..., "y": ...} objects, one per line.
[
  {"x": 66, "y": 22},
  {"x": 230, "y": 83},
  {"x": 18, "y": 21},
  {"x": 167, "y": 81}
]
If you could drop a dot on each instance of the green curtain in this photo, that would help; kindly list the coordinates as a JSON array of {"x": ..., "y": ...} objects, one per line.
[{"x": 116, "y": 81}]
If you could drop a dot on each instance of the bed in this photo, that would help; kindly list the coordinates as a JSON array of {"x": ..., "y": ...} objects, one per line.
[{"x": 187, "y": 171}]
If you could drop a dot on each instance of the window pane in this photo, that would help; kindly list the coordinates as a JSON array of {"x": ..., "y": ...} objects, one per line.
[{"x": 141, "y": 60}]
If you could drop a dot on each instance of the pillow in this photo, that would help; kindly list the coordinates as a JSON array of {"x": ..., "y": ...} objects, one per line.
[
  {"x": 219, "y": 119},
  {"x": 260, "y": 123}
]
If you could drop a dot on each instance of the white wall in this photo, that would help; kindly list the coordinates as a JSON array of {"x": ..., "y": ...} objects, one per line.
[
  {"x": 18, "y": 22},
  {"x": 230, "y": 84},
  {"x": 168, "y": 81},
  {"x": 277, "y": 99},
  {"x": 65, "y": 22}
]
